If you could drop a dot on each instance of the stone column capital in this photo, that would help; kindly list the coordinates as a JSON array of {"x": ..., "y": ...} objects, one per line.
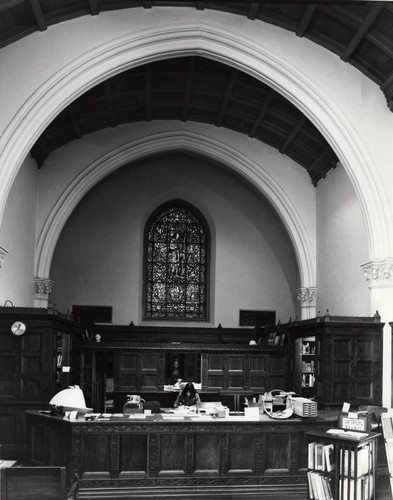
[
  {"x": 306, "y": 296},
  {"x": 42, "y": 288},
  {"x": 379, "y": 272}
]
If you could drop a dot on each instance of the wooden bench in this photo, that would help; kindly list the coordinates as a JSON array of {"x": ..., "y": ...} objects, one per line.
[{"x": 33, "y": 483}]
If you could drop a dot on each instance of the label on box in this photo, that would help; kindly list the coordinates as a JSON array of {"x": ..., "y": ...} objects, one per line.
[{"x": 354, "y": 424}]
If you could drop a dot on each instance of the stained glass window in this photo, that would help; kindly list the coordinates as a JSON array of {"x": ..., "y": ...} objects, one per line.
[{"x": 176, "y": 264}]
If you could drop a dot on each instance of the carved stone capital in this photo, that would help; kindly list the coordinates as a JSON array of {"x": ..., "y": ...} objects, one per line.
[
  {"x": 379, "y": 272},
  {"x": 306, "y": 296},
  {"x": 42, "y": 288},
  {"x": 3, "y": 253}
]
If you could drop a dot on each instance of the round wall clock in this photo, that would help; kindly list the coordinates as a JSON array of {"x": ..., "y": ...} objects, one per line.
[{"x": 18, "y": 328}]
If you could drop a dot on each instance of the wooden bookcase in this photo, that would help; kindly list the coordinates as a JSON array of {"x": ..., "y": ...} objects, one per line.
[
  {"x": 31, "y": 369},
  {"x": 341, "y": 468},
  {"x": 138, "y": 359},
  {"x": 345, "y": 357}
]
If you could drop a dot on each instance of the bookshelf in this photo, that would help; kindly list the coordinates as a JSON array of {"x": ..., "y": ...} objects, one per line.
[
  {"x": 305, "y": 366},
  {"x": 342, "y": 465}
]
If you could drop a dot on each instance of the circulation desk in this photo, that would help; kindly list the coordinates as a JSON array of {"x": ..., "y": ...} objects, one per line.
[{"x": 121, "y": 457}]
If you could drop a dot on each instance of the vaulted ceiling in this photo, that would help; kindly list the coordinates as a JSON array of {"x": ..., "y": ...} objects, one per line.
[{"x": 198, "y": 89}]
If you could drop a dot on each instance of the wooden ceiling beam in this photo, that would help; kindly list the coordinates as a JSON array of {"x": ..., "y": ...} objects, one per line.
[
  {"x": 305, "y": 21},
  {"x": 40, "y": 151},
  {"x": 253, "y": 11},
  {"x": 371, "y": 16},
  {"x": 300, "y": 124},
  {"x": 38, "y": 15},
  {"x": 93, "y": 7},
  {"x": 262, "y": 113},
  {"x": 148, "y": 93},
  {"x": 108, "y": 97},
  {"x": 321, "y": 165},
  {"x": 387, "y": 89},
  {"x": 227, "y": 96},
  {"x": 74, "y": 122},
  {"x": 188, "y": 89}
]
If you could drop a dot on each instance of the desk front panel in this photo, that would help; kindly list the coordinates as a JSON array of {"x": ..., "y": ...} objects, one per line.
[{"x": 131, "y": 453}]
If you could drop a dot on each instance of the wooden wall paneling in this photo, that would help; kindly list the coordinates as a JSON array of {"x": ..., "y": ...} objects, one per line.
[
  {"x": 172, "y": 453},
  {"x": 257, "y": 372},
  {"x": 96, "y": 455},
  {"x": 278, "y": 372},
  {"x": 278, "y": 457},
  {"x": 149, "y": 371},
  {"x": 207, "y": 454},
  {"x": 9, "y": 366},
  {"x": 241, "y": 453},
  {"x": 133, "y": 455},
  {"x": 215, "y": 371},
  {"x": 236, "y": 371},
  {"x": 126, "y": 370}
]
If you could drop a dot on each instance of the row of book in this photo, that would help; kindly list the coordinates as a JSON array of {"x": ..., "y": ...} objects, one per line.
[
  {"x": 321, "y": 457},
  {"x": 320, "y": 486},
  {"x": 364, "y": 488},
  {"x": 348, "y": 464}
]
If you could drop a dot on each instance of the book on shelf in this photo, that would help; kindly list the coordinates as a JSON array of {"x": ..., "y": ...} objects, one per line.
[
  {"x": 347, "y": 461},
  {"x": 330, "y": 457},
  {"x": 320, "y": 487},
  {"x": 364, "y": 488},
  {"x": 321, "y": 456}
]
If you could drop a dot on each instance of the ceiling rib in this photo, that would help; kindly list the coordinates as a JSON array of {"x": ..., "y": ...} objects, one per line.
[
  {"x": 305, "y": 20},
  {"x": 253, "y": 11},
  {"x": 38, "y": 15},
  {"x": 262, "y": 113},
  {"x": 148, "y": 93},
  {"x": 108, "y": 95},
  {"x": 372, "y": 14},
  {"x": 188, "y": 91},
  {"x": 74, "y": 122},
  {"x": 300, "y": 124},
  {"x": 93, "y": 7},
  {"x": 227, "y": 97}
]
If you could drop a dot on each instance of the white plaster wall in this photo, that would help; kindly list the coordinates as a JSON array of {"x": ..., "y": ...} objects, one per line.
[
  {"x": 64, "y": 165},
  {"x": 98, "y": 259},
  {"x": 18, "y": 236},
  {"x": 357, "y": 100},
  {"x": 341, "y": 248}
]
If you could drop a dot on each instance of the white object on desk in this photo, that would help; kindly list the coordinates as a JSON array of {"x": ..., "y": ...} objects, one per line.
[{"x": 7, "y": 463}]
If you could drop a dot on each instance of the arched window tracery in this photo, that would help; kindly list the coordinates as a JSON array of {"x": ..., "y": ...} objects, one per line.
[{"x": 176, "y": 264}]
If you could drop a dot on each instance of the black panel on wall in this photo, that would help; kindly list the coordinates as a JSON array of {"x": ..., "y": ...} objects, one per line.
[
  {"x": 257, "y": 318},
  {"x": 86, "y": 315}
]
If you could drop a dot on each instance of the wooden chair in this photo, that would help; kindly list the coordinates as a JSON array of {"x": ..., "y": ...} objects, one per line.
[
  {"x": 154, "y": 406},
  {"x": 33, "y": 483}
]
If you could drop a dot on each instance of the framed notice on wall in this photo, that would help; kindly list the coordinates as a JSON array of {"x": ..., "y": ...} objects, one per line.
[{"x": 257, "y": 318}]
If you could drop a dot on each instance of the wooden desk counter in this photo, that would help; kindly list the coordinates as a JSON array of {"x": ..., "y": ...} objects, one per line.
[{"x": 127, "y": 457}]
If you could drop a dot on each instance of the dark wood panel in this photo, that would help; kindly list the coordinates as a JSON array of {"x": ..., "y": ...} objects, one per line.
[
  {"x": 172, "y": 453},
  {"x": 278, "y": 452},
  {"x": 207, "y": 453},
  {"x": 241, "y": 453},
  {"x": 96, "y": 453},
  {"x": 133, "y": 454}
]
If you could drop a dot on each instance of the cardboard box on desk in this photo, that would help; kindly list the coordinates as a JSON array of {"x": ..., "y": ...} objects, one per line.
[{"x": 354, "y": 421}]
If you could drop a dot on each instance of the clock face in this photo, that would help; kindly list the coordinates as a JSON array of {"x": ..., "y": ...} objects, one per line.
[{"x": 18, "y": 328}]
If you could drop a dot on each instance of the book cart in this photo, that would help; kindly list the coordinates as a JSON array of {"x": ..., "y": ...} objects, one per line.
[{"x": 342, "y": 465}]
